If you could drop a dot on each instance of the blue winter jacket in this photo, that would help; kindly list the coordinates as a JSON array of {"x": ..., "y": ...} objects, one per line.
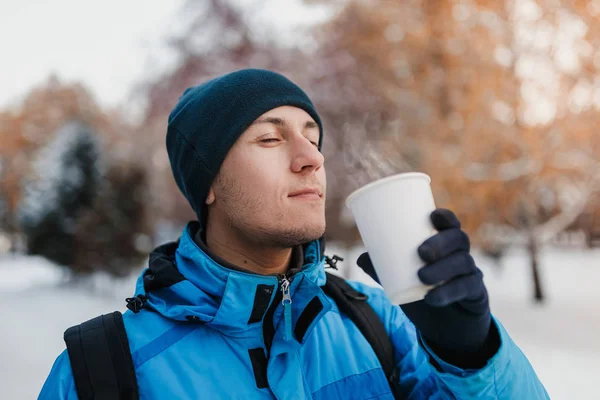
[{"x": 211, "y": 332}]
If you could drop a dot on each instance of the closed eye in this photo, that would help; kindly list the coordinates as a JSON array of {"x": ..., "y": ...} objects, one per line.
[{"x": 271, "y": 140}]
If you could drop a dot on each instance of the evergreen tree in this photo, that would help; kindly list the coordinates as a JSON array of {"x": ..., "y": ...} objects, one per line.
[{"x": 67, "y": 179}]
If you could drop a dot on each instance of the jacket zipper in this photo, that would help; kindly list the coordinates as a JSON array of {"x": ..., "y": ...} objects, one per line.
[
  {"x": 286, "y": 301},
  {"x": 282, "y": 296}
]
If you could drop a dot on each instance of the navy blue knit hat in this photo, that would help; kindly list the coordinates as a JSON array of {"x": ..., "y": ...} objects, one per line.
[{"x": 209, "y": 118}]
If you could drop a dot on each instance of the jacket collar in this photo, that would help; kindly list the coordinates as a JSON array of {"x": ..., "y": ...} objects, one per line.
[
  {"x": 296, "y": 263},
  {"x": 184, "y": 283}
]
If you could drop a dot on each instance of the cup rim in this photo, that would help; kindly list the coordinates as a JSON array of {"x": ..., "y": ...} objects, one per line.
[{"x": 381, "y": 181}]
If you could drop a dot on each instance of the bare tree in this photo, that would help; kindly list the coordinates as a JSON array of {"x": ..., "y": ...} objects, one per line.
[{"x": 485, "y": 105}]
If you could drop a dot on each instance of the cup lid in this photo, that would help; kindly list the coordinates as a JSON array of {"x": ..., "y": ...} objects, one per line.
[{"x": 382, "y": 181}]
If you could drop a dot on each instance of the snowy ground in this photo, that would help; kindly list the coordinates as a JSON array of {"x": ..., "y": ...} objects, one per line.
[{"x": 560, "y": 338}]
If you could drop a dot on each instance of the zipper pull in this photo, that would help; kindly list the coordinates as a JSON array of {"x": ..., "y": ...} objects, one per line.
[{"x": 287, "y": 308}]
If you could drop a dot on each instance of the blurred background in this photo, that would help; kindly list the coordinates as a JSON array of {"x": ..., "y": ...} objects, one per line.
[{"x": 499, "y": 101}]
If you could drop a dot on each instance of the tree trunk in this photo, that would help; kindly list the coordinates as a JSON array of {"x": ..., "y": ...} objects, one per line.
[{"x": 538, "y": 293}]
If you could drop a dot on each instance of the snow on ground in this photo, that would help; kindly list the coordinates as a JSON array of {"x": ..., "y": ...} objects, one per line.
[
  {"x": 36, "y": 306},
  {"x": 559, "y": 338}
]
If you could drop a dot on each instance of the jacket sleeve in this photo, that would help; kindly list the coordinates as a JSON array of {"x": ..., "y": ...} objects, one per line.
[
  {"x": 423, "y": 375},
  {"x": 60, "y": 383}
]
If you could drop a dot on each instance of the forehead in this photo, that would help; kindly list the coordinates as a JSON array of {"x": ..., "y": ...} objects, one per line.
[{"x": 289, "y": 113}]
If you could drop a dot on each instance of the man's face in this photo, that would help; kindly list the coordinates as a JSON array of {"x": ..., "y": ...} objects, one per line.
[{"x": 271, "y": 186}]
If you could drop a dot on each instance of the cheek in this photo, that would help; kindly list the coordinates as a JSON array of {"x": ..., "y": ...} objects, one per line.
[
  {"x": 264, "y": 174},
  {"x": 261, "y": 180},
  {"x": 252, "y": 190}
]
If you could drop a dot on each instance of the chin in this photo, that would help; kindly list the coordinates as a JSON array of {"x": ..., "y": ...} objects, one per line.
[
  {"x": 312, "y": 227},
  {"x": 313, "y": 232},
  {"x": 295, "y": 234}
]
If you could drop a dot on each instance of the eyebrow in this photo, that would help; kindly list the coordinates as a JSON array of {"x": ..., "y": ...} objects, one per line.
[{"x": 283, "y": 123}]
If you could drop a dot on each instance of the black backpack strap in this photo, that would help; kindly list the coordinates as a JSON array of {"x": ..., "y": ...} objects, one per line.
[
  {"x": 354, "y": 305},
  {"x": 101, "y": 359}
]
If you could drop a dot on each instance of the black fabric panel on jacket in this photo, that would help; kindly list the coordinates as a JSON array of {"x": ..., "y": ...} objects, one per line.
[
  {"x": 163, "y": 271},
  {"x": 268, "y": 327},
  {"x": 307, "y": 317},
  {"x": 259, "y": 366},
  {"x": 262, "y": 299}
]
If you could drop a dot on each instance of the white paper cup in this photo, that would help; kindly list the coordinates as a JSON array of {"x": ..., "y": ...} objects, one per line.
[{"x": 393, "y": 217}]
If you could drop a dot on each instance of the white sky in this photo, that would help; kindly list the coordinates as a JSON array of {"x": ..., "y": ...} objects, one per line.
[{"x": 107, "y": 45}]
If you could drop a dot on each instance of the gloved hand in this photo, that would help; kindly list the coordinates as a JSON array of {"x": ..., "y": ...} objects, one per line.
[{"x": 454, "y": 317}]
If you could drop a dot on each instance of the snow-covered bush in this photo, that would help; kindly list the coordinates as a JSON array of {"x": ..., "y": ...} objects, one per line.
[{"x": 66, "y": 179}]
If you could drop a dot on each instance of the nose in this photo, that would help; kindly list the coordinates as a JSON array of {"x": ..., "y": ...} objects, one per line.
[{"x": 306, "y": 156}]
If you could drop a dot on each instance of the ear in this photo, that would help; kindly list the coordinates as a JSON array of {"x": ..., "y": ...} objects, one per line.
[{"x": 210, "y": 198}]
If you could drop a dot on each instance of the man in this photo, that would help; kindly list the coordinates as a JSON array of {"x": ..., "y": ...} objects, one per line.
[{"x": 235, "y": 309}]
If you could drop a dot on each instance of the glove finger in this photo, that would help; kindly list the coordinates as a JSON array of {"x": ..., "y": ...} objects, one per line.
[
  {"x": 365, "y": 263},
  {"x": 464, "y": 288},
  {"x": 451, "y": 267},
  {"x": 443, "y": 244},
  {"x": 443, "y": 219}
]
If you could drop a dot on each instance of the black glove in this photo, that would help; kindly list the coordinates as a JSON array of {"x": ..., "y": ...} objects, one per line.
[{"x": 454, "y": 318}]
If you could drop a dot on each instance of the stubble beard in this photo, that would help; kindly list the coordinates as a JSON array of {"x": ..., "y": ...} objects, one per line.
[{"x": 240, "y": 206}]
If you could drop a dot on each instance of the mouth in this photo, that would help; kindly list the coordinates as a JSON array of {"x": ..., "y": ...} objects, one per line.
[{"x": 308, "y": 193}]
